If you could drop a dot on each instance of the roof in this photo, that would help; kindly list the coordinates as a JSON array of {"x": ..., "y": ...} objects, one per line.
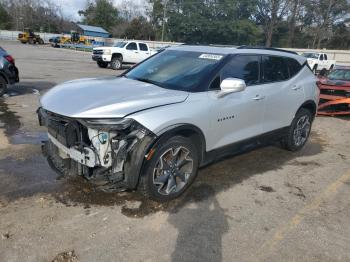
[
  {"x": 92, "y": 28},
  {"x": 235, "y": 50}
]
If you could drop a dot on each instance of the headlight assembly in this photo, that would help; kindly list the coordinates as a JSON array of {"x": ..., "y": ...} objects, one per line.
[
  {"x": 107, "y": 52},
  {"x": 108, "y": 123}
]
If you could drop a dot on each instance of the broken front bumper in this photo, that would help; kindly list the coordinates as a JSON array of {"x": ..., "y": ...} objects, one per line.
[
  {"x": 110, "y": 156},
  {"x": 334, "y": 100}
]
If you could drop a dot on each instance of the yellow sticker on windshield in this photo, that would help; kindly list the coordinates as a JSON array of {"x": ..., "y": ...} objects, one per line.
[{"x": 210, "y": 56}]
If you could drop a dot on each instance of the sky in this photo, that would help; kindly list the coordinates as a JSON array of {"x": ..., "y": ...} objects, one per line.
[{"x": 70, "y": 8}]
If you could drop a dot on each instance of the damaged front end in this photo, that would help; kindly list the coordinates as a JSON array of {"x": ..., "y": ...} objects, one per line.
[
  {"x": 334, "y": 99},
  {"x": 107, "y": 152}
]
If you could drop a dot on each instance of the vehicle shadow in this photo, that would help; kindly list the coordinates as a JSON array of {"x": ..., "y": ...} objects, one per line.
[{"x": 200, "y": 228}]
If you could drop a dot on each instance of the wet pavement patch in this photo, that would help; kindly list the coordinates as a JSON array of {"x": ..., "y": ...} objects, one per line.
[
  {"x": 266, "y": 189},
  {"x": 295, "y": 190},
  {"x": 305, "y": 163},
  {"x": 8, "y": 119},
  {"x": 23, "y": 88},
  {"x": 76, "y": 191},
  {"x": 31, "y": 138},
  {"x": 22, "y": 178}
]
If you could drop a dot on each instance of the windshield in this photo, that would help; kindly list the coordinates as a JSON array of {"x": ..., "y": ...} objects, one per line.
[
  {"x": 178, "y": 70},
  {"x": 120, "y": 44},
  {"x": 311, "y": 55},
  {"x": 340, "y": 74}
]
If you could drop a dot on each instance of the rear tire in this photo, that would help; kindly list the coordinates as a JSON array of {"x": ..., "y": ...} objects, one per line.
[
  {"x": 116, "y": 63},
  {"x": 3, "y": 86},
  {"x": 171, "y": 170},
  {"x": 102, "y": 64},
  {"x": 299, "y": 131}
]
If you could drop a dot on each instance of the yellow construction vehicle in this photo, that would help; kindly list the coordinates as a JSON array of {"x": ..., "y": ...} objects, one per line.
[
  {"x": 29, "y": 37},
  {"x": 74, "y": 38}
]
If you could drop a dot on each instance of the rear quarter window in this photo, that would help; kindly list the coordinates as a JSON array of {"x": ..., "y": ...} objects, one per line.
[
  {"x": 294, "y": 66},
  {"x": 275, "y": 69}
]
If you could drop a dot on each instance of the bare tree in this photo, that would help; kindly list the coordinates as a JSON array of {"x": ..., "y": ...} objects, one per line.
[
  {"x": 269, "y": 13},
  {"x": 294, "y": 7}
]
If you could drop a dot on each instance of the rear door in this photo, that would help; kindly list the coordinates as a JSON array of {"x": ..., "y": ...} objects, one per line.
[
  {"x": 144, "y": 52},
  {"x": 131, "y": 53},
  {"x": 283, "y": 91}
]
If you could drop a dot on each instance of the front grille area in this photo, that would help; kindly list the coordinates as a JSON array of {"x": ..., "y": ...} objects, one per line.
[
  {"x": 97, "y": 52},
  {"x": 333, "y": 92},
  {"x": 66, "y": 131}
]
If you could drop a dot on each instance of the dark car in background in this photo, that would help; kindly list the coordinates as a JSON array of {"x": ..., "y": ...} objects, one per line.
[
  {"x": 8, "y": 71},
  {"x": 335, "y": 92}
]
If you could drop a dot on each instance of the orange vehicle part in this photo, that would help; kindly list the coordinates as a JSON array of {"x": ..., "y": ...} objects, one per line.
[{"x": 334, "y": 100}]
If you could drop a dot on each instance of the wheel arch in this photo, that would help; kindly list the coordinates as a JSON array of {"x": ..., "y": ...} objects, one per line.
[
  {"x": 117, "y": 55},
  {"x": 309, "y": 105},
  {"x": 185, "y": 130}
]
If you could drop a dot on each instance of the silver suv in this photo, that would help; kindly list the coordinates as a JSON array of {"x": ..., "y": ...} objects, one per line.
[{"x": 152, "y": 127}]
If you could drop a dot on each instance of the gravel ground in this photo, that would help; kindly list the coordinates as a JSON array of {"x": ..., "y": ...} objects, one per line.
[{"x": 265, "y": 205}]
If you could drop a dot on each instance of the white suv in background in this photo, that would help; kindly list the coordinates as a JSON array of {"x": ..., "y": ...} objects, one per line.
[
  {"x": 127, "y": 52},
  {"x": 152, "y": 127}
]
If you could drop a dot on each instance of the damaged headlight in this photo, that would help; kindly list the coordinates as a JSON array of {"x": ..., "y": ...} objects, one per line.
[{"x": 115, "y": 123}]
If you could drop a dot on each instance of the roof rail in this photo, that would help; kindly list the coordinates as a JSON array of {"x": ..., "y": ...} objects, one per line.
[{"x": 267, "y": 48}]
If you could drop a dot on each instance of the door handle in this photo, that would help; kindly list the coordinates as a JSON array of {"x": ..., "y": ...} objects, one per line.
[
  {"x": 295, "y": 87},
  {"x": 136, "y": 52},
  {"x": 258, "y": 97}
]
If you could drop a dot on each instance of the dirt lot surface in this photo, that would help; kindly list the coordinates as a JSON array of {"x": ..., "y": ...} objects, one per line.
[{"x": 265, "y": 205}]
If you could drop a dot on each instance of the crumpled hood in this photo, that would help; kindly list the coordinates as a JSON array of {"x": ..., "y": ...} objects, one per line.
[{"x": 107, "y": 97}]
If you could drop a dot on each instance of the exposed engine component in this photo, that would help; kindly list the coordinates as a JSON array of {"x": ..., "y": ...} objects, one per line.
[{"x": 97, "y": 152}]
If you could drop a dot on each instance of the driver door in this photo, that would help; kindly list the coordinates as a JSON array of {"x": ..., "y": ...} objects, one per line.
[{"x": 236, "y": 116}]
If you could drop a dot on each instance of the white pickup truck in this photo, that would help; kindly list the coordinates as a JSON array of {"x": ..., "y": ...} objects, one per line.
[
  {"x": 126, "y": 52},
  {"x": 319, "y": 61}
]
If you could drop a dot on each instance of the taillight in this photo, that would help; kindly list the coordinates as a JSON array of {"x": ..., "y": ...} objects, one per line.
[{"x": 10, "y": 59}]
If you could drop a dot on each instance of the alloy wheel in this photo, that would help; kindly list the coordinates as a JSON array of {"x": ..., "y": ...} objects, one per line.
[
  {"x": 302, "y": 130},
  {"x": 173, "y": 170}
]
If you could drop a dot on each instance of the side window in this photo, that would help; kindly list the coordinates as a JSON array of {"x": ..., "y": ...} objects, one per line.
[
  {"x": 274, "y": 69},
  {"x": 294, "y": 66},
  {"x": 143, "y": 47},
  {"x": 325, "y": 57},
  {"x": 321, "y": 57},
  {"x": 244, "y": 67},
  {"x": 131, "y": 46}
]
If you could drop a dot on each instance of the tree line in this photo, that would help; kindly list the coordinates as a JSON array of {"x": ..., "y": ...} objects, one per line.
[{"x": 280, "y": 23}]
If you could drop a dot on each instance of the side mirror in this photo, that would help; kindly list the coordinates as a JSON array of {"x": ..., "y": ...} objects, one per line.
[{"x": 231, "y": 85}]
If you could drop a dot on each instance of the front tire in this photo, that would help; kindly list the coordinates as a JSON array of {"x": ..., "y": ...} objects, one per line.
[
  {"x": 102, "y": 64},
  {"x": 172, "y": 169},
  {"x": 116, "y": 63},
  {"x": 299, "y": 131}
]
